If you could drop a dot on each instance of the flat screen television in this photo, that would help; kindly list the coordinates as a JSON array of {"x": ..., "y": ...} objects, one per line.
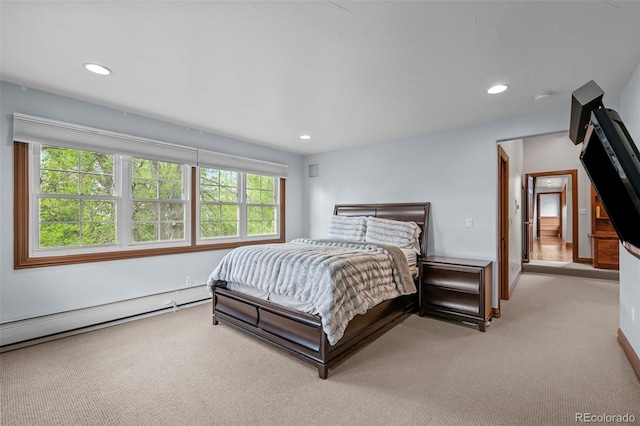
[{"x": 611, "y": 160}]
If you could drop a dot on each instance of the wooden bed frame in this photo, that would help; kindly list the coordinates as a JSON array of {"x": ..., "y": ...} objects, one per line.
[{"x": 301, "y": 334}]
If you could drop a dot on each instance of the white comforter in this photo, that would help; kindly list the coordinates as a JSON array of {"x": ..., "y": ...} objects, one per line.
[{"x": 340, "y": 279}]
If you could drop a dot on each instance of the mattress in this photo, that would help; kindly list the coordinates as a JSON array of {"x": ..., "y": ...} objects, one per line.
[{"x": 290, "y": 302}]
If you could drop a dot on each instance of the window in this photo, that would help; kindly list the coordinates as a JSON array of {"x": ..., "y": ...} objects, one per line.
[
  {"x": 261, "y": 205},
  {"x": 237, "y": 205},
  {"x": 87, "y": 199},
  {"x": 219, "y": 203},
  {"x": 76, "y": 198},
  {"x": 158, "y": 201}
]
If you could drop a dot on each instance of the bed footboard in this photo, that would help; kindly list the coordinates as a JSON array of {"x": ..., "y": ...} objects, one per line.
[{"x": 301, "y": 334}]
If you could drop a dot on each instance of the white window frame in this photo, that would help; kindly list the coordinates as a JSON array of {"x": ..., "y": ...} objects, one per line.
[
  {"x": 242, "y": 211},
  {"x": 30, "y": 131},
  {"x": 123, "y": 198}
]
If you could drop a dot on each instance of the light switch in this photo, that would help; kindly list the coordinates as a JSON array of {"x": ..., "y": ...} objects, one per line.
[{"x": 469, "y": 222}]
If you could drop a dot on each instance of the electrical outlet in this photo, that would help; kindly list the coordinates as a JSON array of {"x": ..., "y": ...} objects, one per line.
[
  {"x": 469, "y": 222},
  {"x": 188, "y": 281}
]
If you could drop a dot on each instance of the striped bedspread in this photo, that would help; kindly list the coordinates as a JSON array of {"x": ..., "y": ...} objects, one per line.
[{"x": 340, "y": 279}]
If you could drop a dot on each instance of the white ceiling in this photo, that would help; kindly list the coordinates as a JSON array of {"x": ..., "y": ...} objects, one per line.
[
  {"x": 551, "y": 183},
  {"x": 348, "y": 73}
]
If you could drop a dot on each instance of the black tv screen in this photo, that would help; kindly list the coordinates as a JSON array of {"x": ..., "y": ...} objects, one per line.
[{"x": 612, "y": 162}]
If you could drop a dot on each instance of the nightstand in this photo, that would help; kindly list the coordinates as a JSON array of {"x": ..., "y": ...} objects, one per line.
[{"x": 458, "y": 289}]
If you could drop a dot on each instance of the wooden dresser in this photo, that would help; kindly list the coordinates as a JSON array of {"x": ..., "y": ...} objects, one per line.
[
  {"x": 606, "y": 245},
  {"x": 458, "y": 289}
]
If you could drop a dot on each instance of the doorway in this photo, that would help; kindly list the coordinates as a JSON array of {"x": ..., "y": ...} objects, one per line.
[{"x": 554, "y": 216}]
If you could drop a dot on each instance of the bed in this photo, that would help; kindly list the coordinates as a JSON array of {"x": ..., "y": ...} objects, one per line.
[{"x": 301, "y": 334}]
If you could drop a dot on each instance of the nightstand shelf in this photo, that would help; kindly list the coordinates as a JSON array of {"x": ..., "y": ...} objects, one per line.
[{"x": 458, "y": 289}]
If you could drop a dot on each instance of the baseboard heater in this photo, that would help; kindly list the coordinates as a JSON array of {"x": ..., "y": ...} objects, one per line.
[{"x": 49, "y": 327}]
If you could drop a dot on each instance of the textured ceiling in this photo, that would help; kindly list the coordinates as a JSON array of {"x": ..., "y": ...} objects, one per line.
[{"x": 347, "y": 73}]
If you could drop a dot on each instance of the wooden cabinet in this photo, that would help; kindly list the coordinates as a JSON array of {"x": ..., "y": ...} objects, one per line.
[
  {"x": 458, "y": 289},
  {"x": 606, "y": 248}
]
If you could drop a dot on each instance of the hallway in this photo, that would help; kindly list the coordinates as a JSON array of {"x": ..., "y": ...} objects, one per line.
[{"x": 552, "y": 248}]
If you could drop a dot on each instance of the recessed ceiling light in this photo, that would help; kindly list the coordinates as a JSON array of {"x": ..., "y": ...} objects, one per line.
[
  {"x": 305, "y": 137},
  {"x": 98, "y": 69},
  {"x": 498, "y": 88},
  {"x": 543, "y": 95}
]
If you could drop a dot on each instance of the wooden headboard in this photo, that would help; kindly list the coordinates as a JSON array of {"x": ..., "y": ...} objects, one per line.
[{"x": 406, "y": 212}]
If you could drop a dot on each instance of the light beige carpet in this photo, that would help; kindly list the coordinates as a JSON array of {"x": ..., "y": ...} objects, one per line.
[{"x": 552, "y": 354}]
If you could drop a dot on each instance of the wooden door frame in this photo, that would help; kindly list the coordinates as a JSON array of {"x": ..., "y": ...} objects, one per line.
[
  {"x": 503, "y": 229},
  {"x": 574, "y": 203}
]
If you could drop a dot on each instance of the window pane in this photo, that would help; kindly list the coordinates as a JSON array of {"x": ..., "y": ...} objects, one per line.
[
  {"x": 210, "y": 212},
  {"x": 145, "y": 169},
  {"x": 98, "y": 211},
  {"x": 228, "y": 194},
  {"x": 229, "y": 229},
  {"x": 59, "y": 210},
  {"x": 267, "y": 183},
  {"x": 94, "y": 184},
  {"x": 98, "y": 233},
  {"x": 269, "y": 227},
  {"x": 267, "y": 197},
  {"x": 58, "y": 182},
  {"x": 170, "y": 190},
  {"x": 58, "y": 158},
  {"x": 209, "y": 193},
  {"x": 172, "y": 231},
  {"x": 228, "y": 178},
  {"x": 145, "y": 212},
  {"x": 171, "y": 211},
  {"x": 253, "y": 196},
  {"x": 209, "y": 177},
  {"x": 210, "y": 229},
  {"x": 144, "y": 232},
  {"x": 96, "y": 162},
  {"x": 268, "y": 213},
  {"x": 59, "y": 235},
  {"x": 144, "y": 189},
  {"x": 170, "y": 171},
  {"x": 254, "y": 228},
  {"x": 254, "y": 213},
  {"x": 229, "y": 213}
]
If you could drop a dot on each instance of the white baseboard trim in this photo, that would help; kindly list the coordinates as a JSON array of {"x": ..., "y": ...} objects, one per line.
[{"x": 47, "y": 325}]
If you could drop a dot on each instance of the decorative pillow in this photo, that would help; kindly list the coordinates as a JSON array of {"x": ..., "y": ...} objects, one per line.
[
  {"x": 393, "y": 232},
  {"x": 351, "y": 228}
]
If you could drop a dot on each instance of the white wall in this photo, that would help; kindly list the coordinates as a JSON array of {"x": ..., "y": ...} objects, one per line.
[
  {"x": 455, "y": 170},
  {"x": 36, "y": 292},
  {"x": 630, "y": 265},
  {"x": 549, "y": 205}
]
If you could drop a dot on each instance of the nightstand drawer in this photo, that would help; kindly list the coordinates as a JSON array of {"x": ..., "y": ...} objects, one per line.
[
  {"x": 461, "y": 302},
  {"x": 456, "y": 288},
  {"x": 461, "y": 278}
]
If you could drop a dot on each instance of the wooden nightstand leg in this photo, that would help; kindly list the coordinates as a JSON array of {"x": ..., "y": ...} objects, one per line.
[{"x": 482, "y": 326}]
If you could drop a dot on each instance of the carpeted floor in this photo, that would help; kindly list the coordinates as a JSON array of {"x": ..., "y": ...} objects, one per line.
[{"x": 553, "y": 354}]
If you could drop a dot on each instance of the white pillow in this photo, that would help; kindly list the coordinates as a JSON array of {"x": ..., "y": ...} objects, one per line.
[
  {"x": 351, "y": 228},
  {"x": 393, "y": 232}
]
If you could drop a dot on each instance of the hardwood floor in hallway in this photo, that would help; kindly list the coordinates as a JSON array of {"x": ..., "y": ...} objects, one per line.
[{"x": 552, "y": 248}]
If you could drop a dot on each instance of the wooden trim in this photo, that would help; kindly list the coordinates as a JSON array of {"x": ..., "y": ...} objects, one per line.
[
  {"x": 194, "y": 197},
  {"x": 629, "y": 352},
  {"x": 20, "y": 204},
  {"x": 22, "y": 259},
  {"x": 504, "y": 291}
]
